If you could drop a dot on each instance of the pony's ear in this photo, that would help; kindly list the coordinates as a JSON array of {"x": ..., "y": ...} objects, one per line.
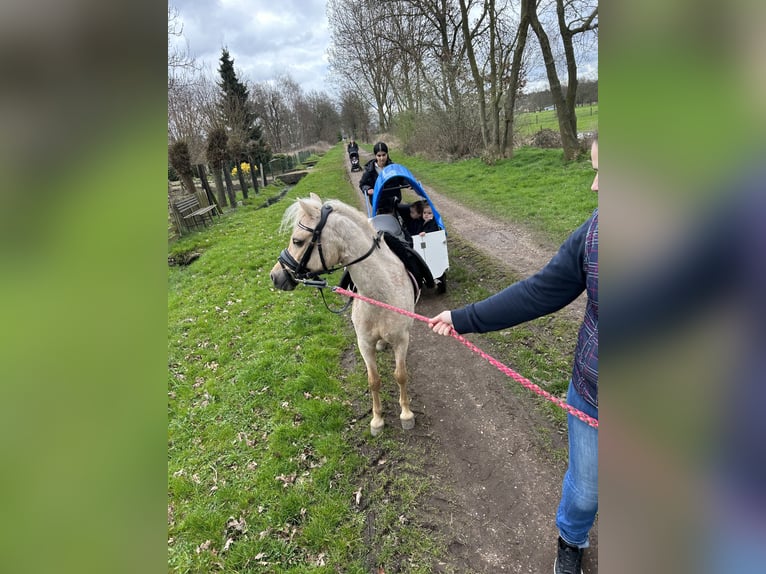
[
  {"x": 309, "y": 207},
  {"x": 315, "y": 197}
]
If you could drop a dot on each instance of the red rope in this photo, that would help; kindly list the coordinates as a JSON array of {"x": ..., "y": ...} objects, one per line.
[{"x": 526, "y": 383}]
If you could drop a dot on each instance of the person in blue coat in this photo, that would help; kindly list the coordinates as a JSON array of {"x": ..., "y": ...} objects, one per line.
[{"x": 572, "y": 270}]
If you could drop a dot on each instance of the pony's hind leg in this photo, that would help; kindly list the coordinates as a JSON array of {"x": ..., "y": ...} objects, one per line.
[
  {"x": 407, "y": 417},
  {"x": 373, "y": 380}
]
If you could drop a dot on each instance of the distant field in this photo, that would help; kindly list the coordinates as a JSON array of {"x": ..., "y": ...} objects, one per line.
[{"x": 531, "y": 122}]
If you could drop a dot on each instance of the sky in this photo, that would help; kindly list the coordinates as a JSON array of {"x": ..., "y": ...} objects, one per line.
[
  {"x": 268, "y": 38},
  {"x": 265, "y": 38}
]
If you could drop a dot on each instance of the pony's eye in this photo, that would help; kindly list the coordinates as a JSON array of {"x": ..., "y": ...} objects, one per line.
[{"x": 298, "y": 242}]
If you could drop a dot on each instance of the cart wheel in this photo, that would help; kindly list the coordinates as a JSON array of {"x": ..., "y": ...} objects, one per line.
[{"x": 441, "y": 284}]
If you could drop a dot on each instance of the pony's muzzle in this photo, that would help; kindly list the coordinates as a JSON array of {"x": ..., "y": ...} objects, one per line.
[{"x": 282, "y": 279}]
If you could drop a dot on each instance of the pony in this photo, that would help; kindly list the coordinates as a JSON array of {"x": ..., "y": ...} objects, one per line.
[{"x": 329, "y": 236}]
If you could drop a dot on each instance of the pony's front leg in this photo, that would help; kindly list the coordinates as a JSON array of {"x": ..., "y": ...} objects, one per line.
[
  {"x": 407, "y": 417},
  {"x": 373, "y": 380}
]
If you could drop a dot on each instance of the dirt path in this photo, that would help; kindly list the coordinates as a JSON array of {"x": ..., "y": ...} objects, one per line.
[{"x": 487, "y": 447}]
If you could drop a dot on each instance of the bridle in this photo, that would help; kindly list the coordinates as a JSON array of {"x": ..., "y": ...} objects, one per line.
[{"x": 298, "y": 270}]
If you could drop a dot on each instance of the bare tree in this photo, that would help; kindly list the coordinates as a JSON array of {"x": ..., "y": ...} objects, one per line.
[
  {"x": 516, "y": 80},
  {"x": 573, "y": 17},
  {"x": 443, "y": 48},
  {"x": 325, "y": 118},
  {"x": 355, "y": 118},
  {"x": 360, "y": 54},
  {"x": 281, "y": 108},
  {"x": 180, "y": 63},
  {"x": 489, "y": 54}
]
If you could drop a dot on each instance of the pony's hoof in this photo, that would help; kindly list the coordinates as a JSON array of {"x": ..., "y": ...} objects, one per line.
[
  {"x": 375, "y": 431},
  {"x": 408, "y": 424}
]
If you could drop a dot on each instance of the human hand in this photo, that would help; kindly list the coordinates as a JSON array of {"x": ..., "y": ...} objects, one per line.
[
  {"x": 370, "y": 190},
  {"x": 422, "y": 234},
  {"x": 442, "y": 323}
]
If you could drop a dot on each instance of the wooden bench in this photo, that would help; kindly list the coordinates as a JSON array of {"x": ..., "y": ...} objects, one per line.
[{"x": 190, "y": 211}]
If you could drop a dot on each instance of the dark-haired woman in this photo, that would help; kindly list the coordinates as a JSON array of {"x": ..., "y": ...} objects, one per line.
[{"x": 372, "y": 168}]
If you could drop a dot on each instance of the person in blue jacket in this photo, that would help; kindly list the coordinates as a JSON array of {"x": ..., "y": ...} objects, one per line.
[{"x": 571, "y": 271}]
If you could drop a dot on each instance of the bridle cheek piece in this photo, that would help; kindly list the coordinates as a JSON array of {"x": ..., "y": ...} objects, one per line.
[{"x": 298, "y": 271}]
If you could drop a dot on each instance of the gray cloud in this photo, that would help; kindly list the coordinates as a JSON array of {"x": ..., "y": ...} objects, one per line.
[{"x": 265, "y": 38}]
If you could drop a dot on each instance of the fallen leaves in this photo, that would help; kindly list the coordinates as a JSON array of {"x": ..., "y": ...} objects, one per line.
[{"x": 287, "y": 479}]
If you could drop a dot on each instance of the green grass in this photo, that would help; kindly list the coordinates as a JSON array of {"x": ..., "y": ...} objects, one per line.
[
  {"x": 262, "y": 451},
  {"x": 268, "y": 439},
  {"x": 528, "y": 123}
]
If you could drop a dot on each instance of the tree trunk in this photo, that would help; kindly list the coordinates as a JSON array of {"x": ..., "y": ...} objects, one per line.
[
  {"x": 203, "y": 180},
  {"x": 477, "y": 78},
  {"x": 220, "y": 190},
  {"x": 263, "y": 173},
  {"x": 229, "y": 184},
  {"x": 513, "y": 84},
  {"x": 242, "y": 182},
  {"x": 211, "y": 199},
  {"x": 253, "y": 175},
  {"x": 567, "y": 118},
  {"x": 188, "y": 182},
  {"x": 177, "y": 221}
]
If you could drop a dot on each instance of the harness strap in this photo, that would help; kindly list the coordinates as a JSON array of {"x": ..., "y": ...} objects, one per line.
[{"x": 298, "y": 268}]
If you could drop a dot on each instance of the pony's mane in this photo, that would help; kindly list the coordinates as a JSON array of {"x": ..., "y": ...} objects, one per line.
[{"x": 294, "y": 212}]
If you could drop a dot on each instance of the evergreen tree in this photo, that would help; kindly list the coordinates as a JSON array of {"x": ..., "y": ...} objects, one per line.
[{"x": 239, "y": 116}]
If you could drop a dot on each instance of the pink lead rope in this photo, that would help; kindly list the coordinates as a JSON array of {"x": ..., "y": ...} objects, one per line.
[{"x": 505, "y": 369}]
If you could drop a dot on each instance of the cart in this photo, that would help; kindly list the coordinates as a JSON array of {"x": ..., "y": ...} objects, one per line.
[{"x": 432, "y": 247}]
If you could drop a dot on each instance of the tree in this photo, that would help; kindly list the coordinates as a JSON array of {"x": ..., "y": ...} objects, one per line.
[
  {"x": 180, "y": 62},
  {"x": 237, "y": 150},
  {"x": 564, "y": 102},
  {"x": 245, "y": 137},
  {"x": 354, "y": 116},
  {"x": 178, "y": 154},
  {"x": 516, "y": 81},
  {"x": 218, "y": 157},
  {"x": 362, "y": 55},
  {"x": 324, "y": 118}
]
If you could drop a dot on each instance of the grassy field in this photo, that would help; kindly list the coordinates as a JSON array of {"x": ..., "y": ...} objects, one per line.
[
  {"x": 531, "y": 122},
  {"x": 271, "y": 467}
]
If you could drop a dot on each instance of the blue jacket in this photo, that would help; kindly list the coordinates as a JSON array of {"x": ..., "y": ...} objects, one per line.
[{"x": 572, "y": 270}]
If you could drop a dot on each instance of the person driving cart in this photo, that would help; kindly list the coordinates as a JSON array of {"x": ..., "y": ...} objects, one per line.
[{"x": 371, "y": 170}]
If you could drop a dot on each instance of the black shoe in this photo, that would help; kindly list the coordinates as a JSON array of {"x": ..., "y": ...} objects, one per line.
[{"x": 569, "y": 559}]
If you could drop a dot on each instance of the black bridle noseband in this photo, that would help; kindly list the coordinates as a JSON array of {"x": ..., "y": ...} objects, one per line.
[{"x": 298, "y": 270}]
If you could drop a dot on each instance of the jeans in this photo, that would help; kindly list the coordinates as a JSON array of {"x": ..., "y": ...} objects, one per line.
[{"x": 579, "y": 491}]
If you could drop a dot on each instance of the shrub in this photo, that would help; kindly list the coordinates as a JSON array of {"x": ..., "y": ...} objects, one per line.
[{"x": 547, "y": 138}]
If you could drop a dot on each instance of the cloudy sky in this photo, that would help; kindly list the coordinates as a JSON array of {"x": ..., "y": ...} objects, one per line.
[{"x": 265, "y": 38}]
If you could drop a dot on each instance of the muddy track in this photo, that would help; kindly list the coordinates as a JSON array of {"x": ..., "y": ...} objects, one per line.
[{"x": 496, "y": 461}]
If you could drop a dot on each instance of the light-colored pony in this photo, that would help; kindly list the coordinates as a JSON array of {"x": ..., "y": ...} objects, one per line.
[{"x": 348, "y": 239}]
